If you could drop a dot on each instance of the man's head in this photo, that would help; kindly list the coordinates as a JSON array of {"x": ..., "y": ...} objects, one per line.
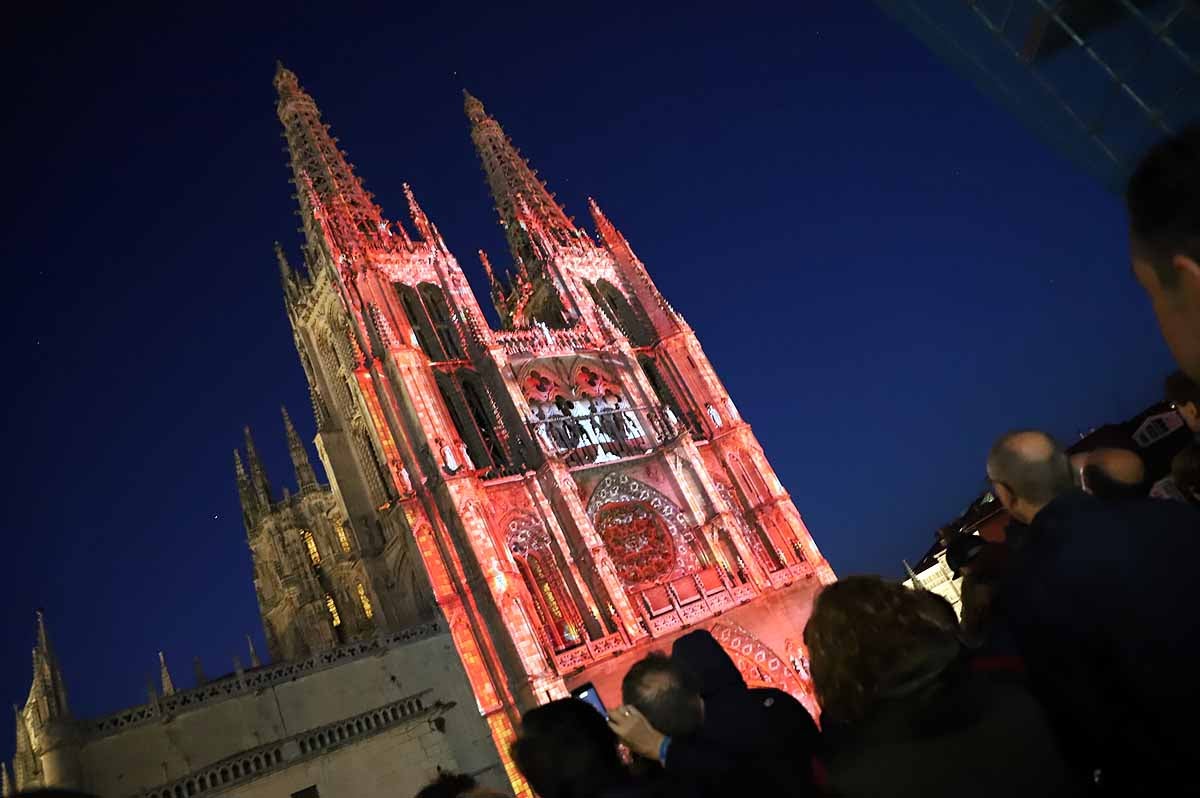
[
  {"x": 1113, "y": 474},
  {"x": 448, "y": 785},
  {"x": 1185, "y": 470},
  {"x": 1184, "y": 392},
  {"x": 1164, "y": 225},
  {"x": 565, "y": 748},
  {"x": 1028, "y": 470},
  {"x": 659, "y": 689}
]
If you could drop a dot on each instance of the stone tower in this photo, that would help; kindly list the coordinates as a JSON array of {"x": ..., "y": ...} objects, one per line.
[
  {"x": 321, "y": 578},
  {"x": 575, "y": 485},
  {"x": 47, "y": 751}
]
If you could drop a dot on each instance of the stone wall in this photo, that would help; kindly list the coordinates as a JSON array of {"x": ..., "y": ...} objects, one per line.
[{"x": 402, "y": 706}]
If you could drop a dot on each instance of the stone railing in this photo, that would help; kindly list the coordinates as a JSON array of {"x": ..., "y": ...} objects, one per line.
[
  {"x": 540, "y": 340},
  {"x": 590, "y": 652},
  {"x": 283, "y": 753},
  {"x": 789, "y": 574},
  {"x": 252, "y": 681},
  {"x": 592, "y": 438}
]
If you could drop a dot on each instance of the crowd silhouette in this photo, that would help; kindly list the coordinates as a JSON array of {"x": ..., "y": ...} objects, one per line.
[{"x": 1070, "y": 673}]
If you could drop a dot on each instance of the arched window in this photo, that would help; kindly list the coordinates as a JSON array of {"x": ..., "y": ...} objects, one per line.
[
  {"x": 443, "y": 325},
  {"x": 414, "y": 309},
  {"x": 663, "y": 392},
  {"x": 429, "y": 314},
  {"x": 531, "y": 547},
  {"x": 333, "y": 610},
  {"x": 618, "y": 308},
  {"x": 343, "y": 538},
  {"x": 467, "y": 400},
  {"x": 461, "y": 418},
  {"x": 366, "y": 602},
  {"x": 310, "y": 545},
  {"x": 473, "y": 392}
]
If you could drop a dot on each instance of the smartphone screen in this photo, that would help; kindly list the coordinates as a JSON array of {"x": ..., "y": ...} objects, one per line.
[{"x": 587, "y": 692}]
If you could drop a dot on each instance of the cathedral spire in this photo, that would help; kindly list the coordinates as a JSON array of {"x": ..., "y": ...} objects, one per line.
[
  {"x": 332, "y": 198},
  {"x": 255, "y": 662},
  {"x": 246, "y": 493},
  {"x": 258, "y": 474},
  {"x": 609, "y": 234},
  {"x": 427, "y": 229},
  {"x": 305, "y": 476},
  {"x": 48, "y": 684},
  {"x": 168, "y": 686},
  {"x": 512, "y": 180},
  {"x": 6, "y": 788},
  {"x": 287, "y": 274},
  {"x": 498, "y": 293}
]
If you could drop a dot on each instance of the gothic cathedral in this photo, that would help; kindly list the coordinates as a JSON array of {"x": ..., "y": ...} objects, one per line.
[
  {"x": 561, "y": 490},
  {"x": 553, "y": 498}
]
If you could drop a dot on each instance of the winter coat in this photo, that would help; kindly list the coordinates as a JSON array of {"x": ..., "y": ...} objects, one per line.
[
  {"x": 947, "y": 731},
  {"x": 1100, "y": 602},
  {"x": 752, "y": 742}
]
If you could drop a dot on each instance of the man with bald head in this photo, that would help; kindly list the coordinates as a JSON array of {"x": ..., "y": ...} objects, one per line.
[
  {"x": 1111, "y": 473},
  {"x": 1101, "y": 613}
]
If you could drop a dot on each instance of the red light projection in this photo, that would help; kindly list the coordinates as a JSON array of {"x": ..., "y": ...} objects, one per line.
[
  {"x": 625, "y": 501},
  {"x": 638, "y": 542}
]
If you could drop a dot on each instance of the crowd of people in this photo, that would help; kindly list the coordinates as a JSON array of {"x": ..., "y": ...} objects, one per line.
[{"x": 1070, "y": 672}]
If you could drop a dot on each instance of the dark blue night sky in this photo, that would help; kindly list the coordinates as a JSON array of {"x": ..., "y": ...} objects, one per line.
[{"x": 884, "y": 267}]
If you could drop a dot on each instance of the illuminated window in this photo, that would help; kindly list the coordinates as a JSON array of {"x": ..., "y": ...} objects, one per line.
[
  {"x": 342, "y": 539},
  {"x": 333, "y": 613},
  {"x": 311, "y": 545},
  {"x": 366, "y": 602}
]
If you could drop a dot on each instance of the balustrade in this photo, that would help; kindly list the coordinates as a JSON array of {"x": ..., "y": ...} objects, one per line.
[{"x": 604, "y": 436}]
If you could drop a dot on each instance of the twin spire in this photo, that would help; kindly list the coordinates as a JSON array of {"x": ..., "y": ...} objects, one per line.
[
  {"x": 334, "y": 197},
  {"x": 254, "y": 488}
]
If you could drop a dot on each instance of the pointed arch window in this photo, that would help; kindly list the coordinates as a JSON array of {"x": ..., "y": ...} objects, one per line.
[
  {"x": 666, "y": 397},
  {"x": 343, "y": 538},
  {"x": 439, "y": 313},
  {"x": 561, "y": 622},
  {"x": 431, "y": 320},
  {"x": 310, "y": 545},
  {"x": 622, "y": 313},
  {"x": 366, "y": 602},
  {"x": 467, "y": 399},
  {"x": 333, "y": 610},
  {"x": 410, "y": 300}
]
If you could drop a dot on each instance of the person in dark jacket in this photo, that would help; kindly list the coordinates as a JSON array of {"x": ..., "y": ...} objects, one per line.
[
  {"x": 903, "y": 713},
  {"x": 714, "y": 736},
  {"x": 1098, "y": 605},
  {"x": 565, "y": 749}
]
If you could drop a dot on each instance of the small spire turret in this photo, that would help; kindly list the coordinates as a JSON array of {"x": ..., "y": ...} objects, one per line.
[
  {"x": 168, "y": 686},
  {"x": 258, "y": 473},
  {"x": 305, "y": 476}
]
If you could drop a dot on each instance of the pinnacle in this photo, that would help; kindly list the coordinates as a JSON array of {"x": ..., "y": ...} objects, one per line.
[
  {"x": 285, "y": 80},
  {"x": 473, "y": 107}
]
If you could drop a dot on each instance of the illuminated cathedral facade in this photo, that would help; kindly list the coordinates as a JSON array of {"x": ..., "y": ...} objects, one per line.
[{"x": 557, "y": 496}]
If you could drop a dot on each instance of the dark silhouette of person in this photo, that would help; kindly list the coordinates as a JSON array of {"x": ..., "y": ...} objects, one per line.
[
  {"x": 1094, "y": 599},
  {"x": 694, "y": 713},
  {"x": 565, "y": 749},
  {"x": 904, "y": 713},
  {"x": 1164, "y": 233}
]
